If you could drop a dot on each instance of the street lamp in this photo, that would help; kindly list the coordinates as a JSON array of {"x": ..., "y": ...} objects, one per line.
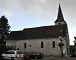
[{"x": 61, "y": 45}]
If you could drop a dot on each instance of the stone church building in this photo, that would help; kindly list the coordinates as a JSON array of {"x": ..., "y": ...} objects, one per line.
[{"x": 44, "y": 39}]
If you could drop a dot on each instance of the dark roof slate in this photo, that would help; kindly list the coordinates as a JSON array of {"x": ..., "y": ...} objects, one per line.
[
  {"x": 60, "y": 17},
  {"x": 38, "y": 33}
]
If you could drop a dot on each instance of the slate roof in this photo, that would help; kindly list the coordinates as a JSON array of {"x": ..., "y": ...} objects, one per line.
[
  {"x": 39, "y": 32},
  {"x": 60, "y": 17}
]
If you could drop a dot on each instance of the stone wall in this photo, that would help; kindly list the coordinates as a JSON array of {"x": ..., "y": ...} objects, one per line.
[{"x": 35, "y": 45}]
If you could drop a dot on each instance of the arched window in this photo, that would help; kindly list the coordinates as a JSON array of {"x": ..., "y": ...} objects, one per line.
[
  {"x": 30, "y": 45},
  {"x": 25, "y": 45},
  {"x": 41, "y": 44},
  {"x": 53, "y": 44}
]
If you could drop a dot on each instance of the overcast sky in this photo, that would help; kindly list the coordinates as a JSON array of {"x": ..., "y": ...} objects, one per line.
[{"x": 34, "y": 13}]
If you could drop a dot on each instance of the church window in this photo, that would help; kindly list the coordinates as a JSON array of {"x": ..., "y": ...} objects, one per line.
[
  {"x": 25, "y": 45},
  {"x": 59, "y": 23},
  {"x": 30, "y": 45},
  {"x": 41, "y": 44},
  {"x": 53, "y": 44}
]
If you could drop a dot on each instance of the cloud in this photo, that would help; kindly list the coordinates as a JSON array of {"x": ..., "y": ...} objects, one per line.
[
  {"x": 7, "y": 13},
  {"x": 40, "y": 8}
]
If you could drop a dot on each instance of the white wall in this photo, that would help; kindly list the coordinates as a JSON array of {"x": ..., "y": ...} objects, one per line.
[
  {"x": 10, "y": 42},
  {"x": 36, "y": 45}
]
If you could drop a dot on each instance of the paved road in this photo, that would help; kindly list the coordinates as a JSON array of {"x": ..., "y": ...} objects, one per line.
[
  {"x": 69, "y": 58},
  {"x": 56, "y": 58}
]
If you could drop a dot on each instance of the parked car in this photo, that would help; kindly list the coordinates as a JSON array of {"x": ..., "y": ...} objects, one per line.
[
  {"x": 73, "y": 55},
  {"x": 12, "y": 55},
  {"x": 36, "y": 55}
]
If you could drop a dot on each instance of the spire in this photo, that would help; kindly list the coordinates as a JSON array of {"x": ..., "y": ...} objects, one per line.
[{"x": 60, "y": 17}]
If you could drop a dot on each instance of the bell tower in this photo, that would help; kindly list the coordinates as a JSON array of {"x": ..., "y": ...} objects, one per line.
[{"x": 60, "y": 19}]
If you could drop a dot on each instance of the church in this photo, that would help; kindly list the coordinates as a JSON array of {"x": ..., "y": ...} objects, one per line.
[{"x": 44, "y": 39}]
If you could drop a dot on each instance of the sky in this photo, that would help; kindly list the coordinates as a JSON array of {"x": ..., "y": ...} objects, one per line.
[{"x": 35, "y": 13}]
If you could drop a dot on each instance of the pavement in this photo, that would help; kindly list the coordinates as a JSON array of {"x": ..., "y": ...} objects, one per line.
[{"x": 58, "y": 58}]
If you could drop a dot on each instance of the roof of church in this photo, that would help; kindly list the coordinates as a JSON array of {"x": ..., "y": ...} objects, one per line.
[
  {"x": 39, "y": 32},
  {"x": 60, "y": 15}
]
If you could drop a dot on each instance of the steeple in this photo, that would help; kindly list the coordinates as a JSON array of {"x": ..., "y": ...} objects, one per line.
[
  {"x": 60, "y": 18},
  {"x": 60, "y": 15}
]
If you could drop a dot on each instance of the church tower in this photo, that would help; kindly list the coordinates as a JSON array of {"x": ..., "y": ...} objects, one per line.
[{"x": 60, "y": 19}]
